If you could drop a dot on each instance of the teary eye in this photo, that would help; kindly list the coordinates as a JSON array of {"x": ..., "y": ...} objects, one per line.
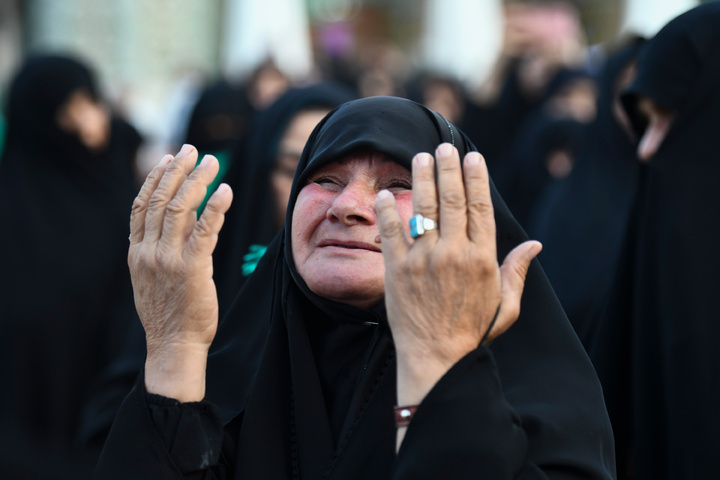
[
  {"x": 395, "y": 185},
  {"x": 329, "y": 182},
  {"x": 322, "y": 180}
]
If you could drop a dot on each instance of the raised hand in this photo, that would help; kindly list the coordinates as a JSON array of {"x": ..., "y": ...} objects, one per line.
[
  {"x": 443, "y": 290},
  {"x": 170, "y": 260}
]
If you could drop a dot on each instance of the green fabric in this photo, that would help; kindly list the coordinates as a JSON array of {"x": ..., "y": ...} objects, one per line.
[
  {"x": 224, "y": 159},
  {"x": 251, "y": 259}
]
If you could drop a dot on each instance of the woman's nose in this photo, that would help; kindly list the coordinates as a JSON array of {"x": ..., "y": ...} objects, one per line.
[{"x": 353, "y": 205}]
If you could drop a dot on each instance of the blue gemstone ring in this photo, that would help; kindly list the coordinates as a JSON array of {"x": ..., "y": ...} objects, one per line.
[{"x": 419, "y": 225}]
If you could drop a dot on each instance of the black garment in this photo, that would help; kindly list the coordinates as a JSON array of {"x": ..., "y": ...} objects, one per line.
[
  {"x": 529, "y": 406},
  {"x": 252, "y": 219},
  {"x": 544, "y": 131},
  {"x": 66, "y": 297},
  {"x": 496, "y": 127},
  {"x": 582, "y": 220},
  {"x": 528, "y": 175},
  {"x": 657, "y": 350},
  {"x": 493, "y": 127}
]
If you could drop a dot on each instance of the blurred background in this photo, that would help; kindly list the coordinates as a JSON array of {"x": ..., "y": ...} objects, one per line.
[{"x": 153, "y": 58}]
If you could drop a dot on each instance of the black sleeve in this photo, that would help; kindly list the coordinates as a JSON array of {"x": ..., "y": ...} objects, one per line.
[
  {"x": 157, "y": 437},
  {"x": 465, "y": 428}
]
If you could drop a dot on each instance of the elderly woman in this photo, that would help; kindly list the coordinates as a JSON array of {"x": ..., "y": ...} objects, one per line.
[{"x": 346, "y": 318}]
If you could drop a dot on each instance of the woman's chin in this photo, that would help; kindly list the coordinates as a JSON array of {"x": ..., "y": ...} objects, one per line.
[{"x": 351, "y": 289}]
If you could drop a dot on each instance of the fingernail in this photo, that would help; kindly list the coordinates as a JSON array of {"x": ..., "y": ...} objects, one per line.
[
  {"x": 422, "y": 159},
  {"x": 472, "y": 158},
  {"x": 444, "y": 150},
  {"x": 165, "y": 160},
  {"x": 205, "y": 160},
  {"x": 185, "y": 150},
  {"x": 384, "y": 194}
]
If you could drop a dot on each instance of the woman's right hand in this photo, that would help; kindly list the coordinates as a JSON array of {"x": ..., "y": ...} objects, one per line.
[{"x": 170, "y": 260}]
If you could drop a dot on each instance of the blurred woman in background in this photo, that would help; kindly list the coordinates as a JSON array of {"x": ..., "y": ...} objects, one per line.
[
  {"x": 582, "y": 220},
  {"x": 656, "y": 351},
  {"x": 66, "y": 181}
]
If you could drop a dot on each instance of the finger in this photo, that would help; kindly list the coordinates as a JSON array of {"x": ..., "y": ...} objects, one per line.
[
  {"x": 424, "y": 189},
  {"x": 480, "y": 214},
  {"x": 140, "y": 204},
  {"x": 175, "y": 173},
  {"x": 204, "y": 237},
  {"x": 392, "y": 234},
  {"x": 181, "y": 213},
  {"x": 451, "y": 192},
  {"x": 512, "y": 276}
]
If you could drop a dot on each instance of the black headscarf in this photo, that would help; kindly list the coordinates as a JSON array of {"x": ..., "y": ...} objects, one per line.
[
  {"x": 66, "y": 295},
  {"x": 251, "y": 223},
  {"x": 307, "y": 385},
  {"x": 219, "y": 119},
  {"x": 657, "y": 350},
  {"x": 582, "y": 221}
]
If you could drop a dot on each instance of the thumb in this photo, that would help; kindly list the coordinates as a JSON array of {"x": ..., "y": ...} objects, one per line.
[{"x": 512, "y": 282}]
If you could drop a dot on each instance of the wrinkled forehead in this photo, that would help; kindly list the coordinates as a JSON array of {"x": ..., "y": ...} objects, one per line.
[{"x": 375, "y": 163}]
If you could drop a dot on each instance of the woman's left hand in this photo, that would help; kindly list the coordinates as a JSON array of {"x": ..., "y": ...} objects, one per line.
[{"x": 443, "y": 290}]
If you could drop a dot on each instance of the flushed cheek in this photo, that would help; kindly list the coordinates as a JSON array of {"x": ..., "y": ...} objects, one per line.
[
  {"x": 309, "y": 211},
  {"x": 405, "y": 209}
]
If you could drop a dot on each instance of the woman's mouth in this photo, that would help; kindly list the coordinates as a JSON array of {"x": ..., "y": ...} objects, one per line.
[{"x": 350, "y": 245}]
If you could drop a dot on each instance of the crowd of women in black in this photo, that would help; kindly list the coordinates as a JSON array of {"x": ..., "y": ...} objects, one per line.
[{"x": 609, "y": 164}]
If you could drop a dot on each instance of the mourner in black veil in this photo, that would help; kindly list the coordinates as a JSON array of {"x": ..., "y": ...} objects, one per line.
[
  {"x": 302, "y": 386},
  {"x": 656, "y": 351},
  {"x": 582, "y": 221},
  {"x": 66, "y": 182}
]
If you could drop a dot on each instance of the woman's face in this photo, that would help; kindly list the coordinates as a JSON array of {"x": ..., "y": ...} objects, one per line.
[
  {"x": 87, "y": 118},
  {"x": 335, "y": 236},
  {"x": 289, "y": 150}
]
